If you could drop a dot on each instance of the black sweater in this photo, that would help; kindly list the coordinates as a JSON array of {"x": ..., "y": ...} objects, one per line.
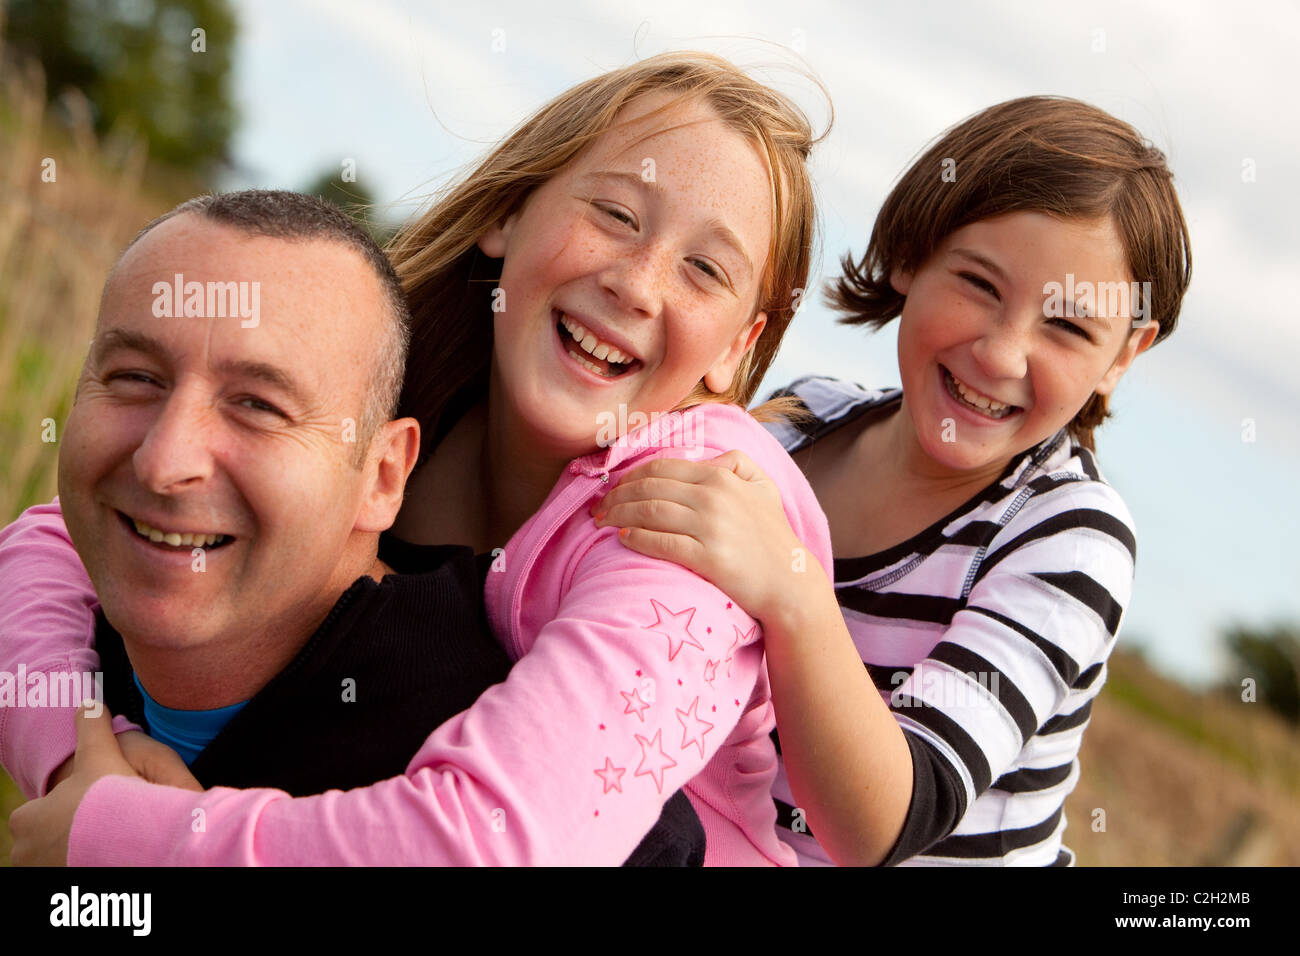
[{"x": 392, "y": 660}]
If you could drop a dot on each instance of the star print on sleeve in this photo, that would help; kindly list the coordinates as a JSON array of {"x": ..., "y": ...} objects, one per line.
[
  {"x": 693, "y": 728},
  {"x": 676, "y": 628},
  {"x": 740, "y": 639},
  {"x": 653, "y": 762},
  {"x": 609, "y": 771},
  {"x": 635, "y": 705},
  {"x": 711, "y": 671}
]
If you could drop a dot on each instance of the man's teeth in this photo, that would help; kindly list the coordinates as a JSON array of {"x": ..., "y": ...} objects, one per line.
[
  {"x": 175, "y": 539},
  {"x": 982, "y": 402},
  {"x": 593, "y": 345}
]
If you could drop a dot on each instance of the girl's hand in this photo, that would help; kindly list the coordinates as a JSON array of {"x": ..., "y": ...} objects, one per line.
[
  {"x": 151, "y": 759},
  {"x": 722, "y": 519},
  {"x": 41, "y": 827},
  {"x": 155, "y": 761}
]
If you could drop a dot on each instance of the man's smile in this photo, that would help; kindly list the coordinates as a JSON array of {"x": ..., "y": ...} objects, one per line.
[{"x": 174, "y": 537}]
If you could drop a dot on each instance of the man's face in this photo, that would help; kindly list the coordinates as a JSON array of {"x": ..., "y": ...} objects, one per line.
[{"x": 199, "y": 427}]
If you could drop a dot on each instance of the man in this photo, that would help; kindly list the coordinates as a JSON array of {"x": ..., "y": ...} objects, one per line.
[{"x": 225, "y": 475}]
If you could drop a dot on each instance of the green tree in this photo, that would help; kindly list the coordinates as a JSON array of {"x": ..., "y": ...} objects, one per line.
[
  {"x": 160, "y": 68},
  {"x": 1272, "y": 658}
]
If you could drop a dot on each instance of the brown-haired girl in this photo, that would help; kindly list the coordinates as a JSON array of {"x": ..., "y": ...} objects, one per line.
[{"x": 982, "y": 564}]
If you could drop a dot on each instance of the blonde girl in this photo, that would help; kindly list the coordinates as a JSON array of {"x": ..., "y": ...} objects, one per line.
[{"x": 633, "y": 249}]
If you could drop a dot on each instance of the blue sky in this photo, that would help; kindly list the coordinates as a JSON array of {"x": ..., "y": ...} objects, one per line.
[{"x": 413, "y": 91}]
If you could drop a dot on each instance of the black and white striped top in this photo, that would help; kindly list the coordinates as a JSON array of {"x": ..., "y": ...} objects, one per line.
[{"x": 987, "y": 633}]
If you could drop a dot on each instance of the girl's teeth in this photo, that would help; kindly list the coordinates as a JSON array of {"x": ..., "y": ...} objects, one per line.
[
  {"x": 982, "y": 402},
  {"x": 588, "y": 342},
  {"x": 590, "y": 365}
]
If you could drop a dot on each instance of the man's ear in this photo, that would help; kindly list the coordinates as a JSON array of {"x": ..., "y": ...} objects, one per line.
[
  {"x": 389, "y": 461},
  {"x": 1139, "y": 340},
  {"x": 900, "y": 279},
  {"x": 718, "y": 378}
]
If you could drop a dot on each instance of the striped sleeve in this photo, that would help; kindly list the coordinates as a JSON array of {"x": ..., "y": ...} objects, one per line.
[{"x": 1017, "y": 666}]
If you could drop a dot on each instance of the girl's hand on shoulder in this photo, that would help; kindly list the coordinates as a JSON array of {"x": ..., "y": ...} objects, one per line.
[{"x": 722, "y": 519}]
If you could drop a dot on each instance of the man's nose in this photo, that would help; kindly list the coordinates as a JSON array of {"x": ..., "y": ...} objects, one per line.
[{"x": 175, "y": 450}]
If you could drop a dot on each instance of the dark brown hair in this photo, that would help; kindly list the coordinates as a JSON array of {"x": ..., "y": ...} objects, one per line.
[{"x": 1046, "y": 154}]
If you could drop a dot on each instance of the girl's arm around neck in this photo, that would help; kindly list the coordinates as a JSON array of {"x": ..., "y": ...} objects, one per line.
[
  {"x": 47, "y": 628},
  {"x": 642, "y": 676}
]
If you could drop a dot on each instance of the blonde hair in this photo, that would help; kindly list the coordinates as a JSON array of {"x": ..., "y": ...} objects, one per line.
[{"x": 449, "y": 283}]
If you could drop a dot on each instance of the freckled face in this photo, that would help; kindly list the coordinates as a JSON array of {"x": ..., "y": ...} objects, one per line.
[
  {"x": 202, "y": 426},
  {"x": 977, "y": 322},
  {"x": 652, "y": 243}
]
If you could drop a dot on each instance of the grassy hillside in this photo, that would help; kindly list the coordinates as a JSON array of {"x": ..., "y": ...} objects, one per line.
[{"x": 1185, "y": 778}]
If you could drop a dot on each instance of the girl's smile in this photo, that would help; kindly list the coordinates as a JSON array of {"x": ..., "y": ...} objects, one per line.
[
  {"x": 592, "y": 348},
  {"x": 971, "y": 400}
]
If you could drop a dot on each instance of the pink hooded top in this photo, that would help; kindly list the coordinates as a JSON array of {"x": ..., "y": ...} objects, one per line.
[{"x": 634, "y": 677}]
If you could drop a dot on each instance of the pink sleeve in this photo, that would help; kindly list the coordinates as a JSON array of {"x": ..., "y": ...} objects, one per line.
[
  {"x": 565, "y": 763},
  {"x": 47, "y": 625}
]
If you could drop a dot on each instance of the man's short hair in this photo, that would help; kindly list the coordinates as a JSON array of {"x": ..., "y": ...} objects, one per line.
[{"x": 281, "y": 214}]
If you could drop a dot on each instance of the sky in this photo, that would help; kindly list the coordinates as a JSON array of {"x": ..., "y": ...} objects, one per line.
[{"x": 1204, "y": 444}]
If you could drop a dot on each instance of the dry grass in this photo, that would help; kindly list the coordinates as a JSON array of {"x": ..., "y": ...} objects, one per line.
[
  {"x": 58, "y": 240},
  {"x": 1185, "y": 778}
]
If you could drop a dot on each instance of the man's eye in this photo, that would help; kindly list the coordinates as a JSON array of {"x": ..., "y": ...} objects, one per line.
[
  {"x": 1073, "y": 329},
  {"x": 132, "y": 377},
  {"x": 980, "y": 283},
  {"x": 258, "y": 405}
]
